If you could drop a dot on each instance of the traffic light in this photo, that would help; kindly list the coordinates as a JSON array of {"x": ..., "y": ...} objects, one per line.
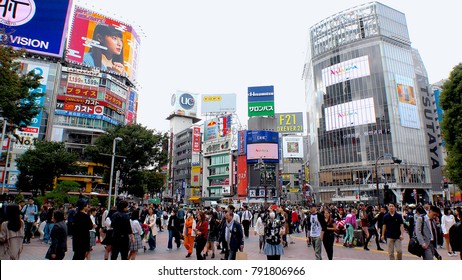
[{"x": 301, "y": 174}]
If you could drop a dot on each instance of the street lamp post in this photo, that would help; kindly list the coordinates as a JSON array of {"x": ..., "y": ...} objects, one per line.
[
  {"x": 114, "y": 143},
  {"x": 395, "y": 160},
  {"x": 11, "y": 140}
]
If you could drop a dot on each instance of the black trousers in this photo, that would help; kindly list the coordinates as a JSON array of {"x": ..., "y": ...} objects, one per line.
[
  {"x": 329, "y": 246},
  {"x": 246, "y": 226},
  {"x": 372, "y": 231},
  {"x": 120, "y": 245},
  {"x": 79, "y": 254},
  {"x": 28, "y": 231},
  {"x": 200, "y": 244}
]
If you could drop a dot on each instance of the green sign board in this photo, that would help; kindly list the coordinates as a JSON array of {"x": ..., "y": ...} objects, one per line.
[{"x": 258, "y": 109}]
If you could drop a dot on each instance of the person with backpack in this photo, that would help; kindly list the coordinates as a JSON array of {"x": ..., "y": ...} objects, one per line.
[
  {"x": 30, "y": 212},
  {"x": 426, "y": 233},
  {"x": 317, "y": 227}
]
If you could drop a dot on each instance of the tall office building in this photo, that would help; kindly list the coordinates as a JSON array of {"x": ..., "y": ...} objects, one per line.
[{"x": 369, "y": 102}]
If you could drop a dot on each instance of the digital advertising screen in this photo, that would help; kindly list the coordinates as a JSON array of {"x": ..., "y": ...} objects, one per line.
[{"x": 104, "y": 43}]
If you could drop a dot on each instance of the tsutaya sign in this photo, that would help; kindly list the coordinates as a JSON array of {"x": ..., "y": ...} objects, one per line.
[{"x": 347, "y": 70}]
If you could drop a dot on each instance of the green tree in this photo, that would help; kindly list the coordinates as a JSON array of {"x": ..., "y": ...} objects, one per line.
[
  {"x": 140, "y": 149},
  {"x": 451, "y": 103},
  {"x": 40, "y": 166},
  {"x": 147, "y": 181},
  {"x": 17, "y": 100}
]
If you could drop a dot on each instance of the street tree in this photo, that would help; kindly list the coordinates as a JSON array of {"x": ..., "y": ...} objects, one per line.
[
  {"x": 40, "y": 166},
  {"x": 140, "y": 149},
  {"x": 451, "y": 103},
  {"x": 17, "y": 94}
]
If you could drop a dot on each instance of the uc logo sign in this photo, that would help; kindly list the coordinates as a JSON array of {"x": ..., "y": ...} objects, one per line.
[{"x": 186, "y": 101}]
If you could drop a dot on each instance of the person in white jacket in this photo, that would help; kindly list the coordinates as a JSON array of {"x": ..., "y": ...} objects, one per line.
[
  {"x": 150, "y": 220},
  {"x": 260, "y": 230},
  {"x": 447, "y": 221}
]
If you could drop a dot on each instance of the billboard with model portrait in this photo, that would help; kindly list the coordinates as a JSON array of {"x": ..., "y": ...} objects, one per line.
[{"x": 104, "y": 43}]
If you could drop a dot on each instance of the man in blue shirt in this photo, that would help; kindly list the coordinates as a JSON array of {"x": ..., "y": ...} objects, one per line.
[{"x": 29, "y": 213}]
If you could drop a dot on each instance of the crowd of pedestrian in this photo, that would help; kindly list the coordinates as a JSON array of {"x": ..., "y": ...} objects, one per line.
[{"x": 220, "y": 232}]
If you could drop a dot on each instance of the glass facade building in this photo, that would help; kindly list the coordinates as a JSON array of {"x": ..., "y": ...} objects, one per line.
[{"x": 365, "y": 106}]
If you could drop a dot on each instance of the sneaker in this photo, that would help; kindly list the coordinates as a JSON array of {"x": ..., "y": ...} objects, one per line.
[
  {"x": 451, "y": 254},
  {"x": 169, "y": 249}
]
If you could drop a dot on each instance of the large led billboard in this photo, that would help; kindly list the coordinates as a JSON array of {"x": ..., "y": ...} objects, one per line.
[
  {"x": 39, "y": 26},
  {"x": 104, "y": 43},
  {"x": 347, "y": 70},
  {"x": 218, "y": 103},
  {"x": 407, "y": 105},
  {"x": 263, "y": 151},
  {"x": 349, "y": 114},
  {"x": 292, "y": 147}
]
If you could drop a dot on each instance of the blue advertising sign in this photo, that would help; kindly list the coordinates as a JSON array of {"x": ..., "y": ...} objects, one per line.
[
  {"x": 85, "y": 115},
  {"x": 39, "y": 26},
  {"x": 260, "y": 94},
  {"x": 261, "y": 136}
]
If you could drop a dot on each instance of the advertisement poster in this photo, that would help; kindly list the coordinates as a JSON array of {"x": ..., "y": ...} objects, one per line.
[
  {"x": 104, "y": 43},
  {"x": 407, "y": 104},
  {"x": 39, "y": 26}
]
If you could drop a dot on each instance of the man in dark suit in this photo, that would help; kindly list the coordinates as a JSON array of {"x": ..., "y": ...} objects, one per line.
[{"x": 232, "y": 236}]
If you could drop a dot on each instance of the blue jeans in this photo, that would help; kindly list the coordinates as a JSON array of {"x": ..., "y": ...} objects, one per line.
[
  {"x": 151, "y": 241},
  {"x": 172, "y": 234},
  {"x": 47, "y": 232}
]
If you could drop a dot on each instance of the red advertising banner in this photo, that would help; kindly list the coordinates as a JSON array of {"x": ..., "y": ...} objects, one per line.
[
  {"x": 196, "y": 144},
  {"x": 113, "y": 100},
  {"x": 79, "y": 107},
  {"x": 242, "y": 179},
  {"x": 105, "y": 43}
]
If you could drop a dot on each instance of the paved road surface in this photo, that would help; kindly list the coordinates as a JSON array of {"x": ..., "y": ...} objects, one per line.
[{"x": 296, "y": 251}]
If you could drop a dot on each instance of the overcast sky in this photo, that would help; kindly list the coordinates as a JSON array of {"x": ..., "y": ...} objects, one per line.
[{"x": 213, "y": 46}]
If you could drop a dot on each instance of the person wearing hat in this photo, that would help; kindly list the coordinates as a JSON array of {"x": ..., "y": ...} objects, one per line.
[
  {"x": 81, "y": 227},
  {"x": 317, "y": 226}
]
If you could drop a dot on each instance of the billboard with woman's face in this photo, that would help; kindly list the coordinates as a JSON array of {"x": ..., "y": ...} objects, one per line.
[{"x": 104, "y": 43}]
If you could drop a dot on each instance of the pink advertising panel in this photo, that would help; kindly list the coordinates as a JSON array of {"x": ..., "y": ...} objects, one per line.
[
  {"x": 104, "y": 43},
  {"x": 262, "y": 150}
]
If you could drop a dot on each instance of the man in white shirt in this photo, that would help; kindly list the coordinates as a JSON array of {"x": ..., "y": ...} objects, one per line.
[{"x": 246, "y": 218}]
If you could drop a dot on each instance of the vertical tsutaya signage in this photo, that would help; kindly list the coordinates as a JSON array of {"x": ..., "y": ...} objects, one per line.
[
  {"x": 184, "y": 103},
  {"x": 218, "y": 103},
  {"x": 108, "y": 44},
  {"x": 289, "y": 122},
  {"x": 242, "y": 179},
  {"x": 292, "y": 147},
  {"x": 39, "y": 26},
  {"x": 196, "y": 143},
  {"x": 347, "y": 70},
  {"x": 349, "y": 114},
  {"x": 260, "y": 101},
  {"x": 407, "y": 105}
]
